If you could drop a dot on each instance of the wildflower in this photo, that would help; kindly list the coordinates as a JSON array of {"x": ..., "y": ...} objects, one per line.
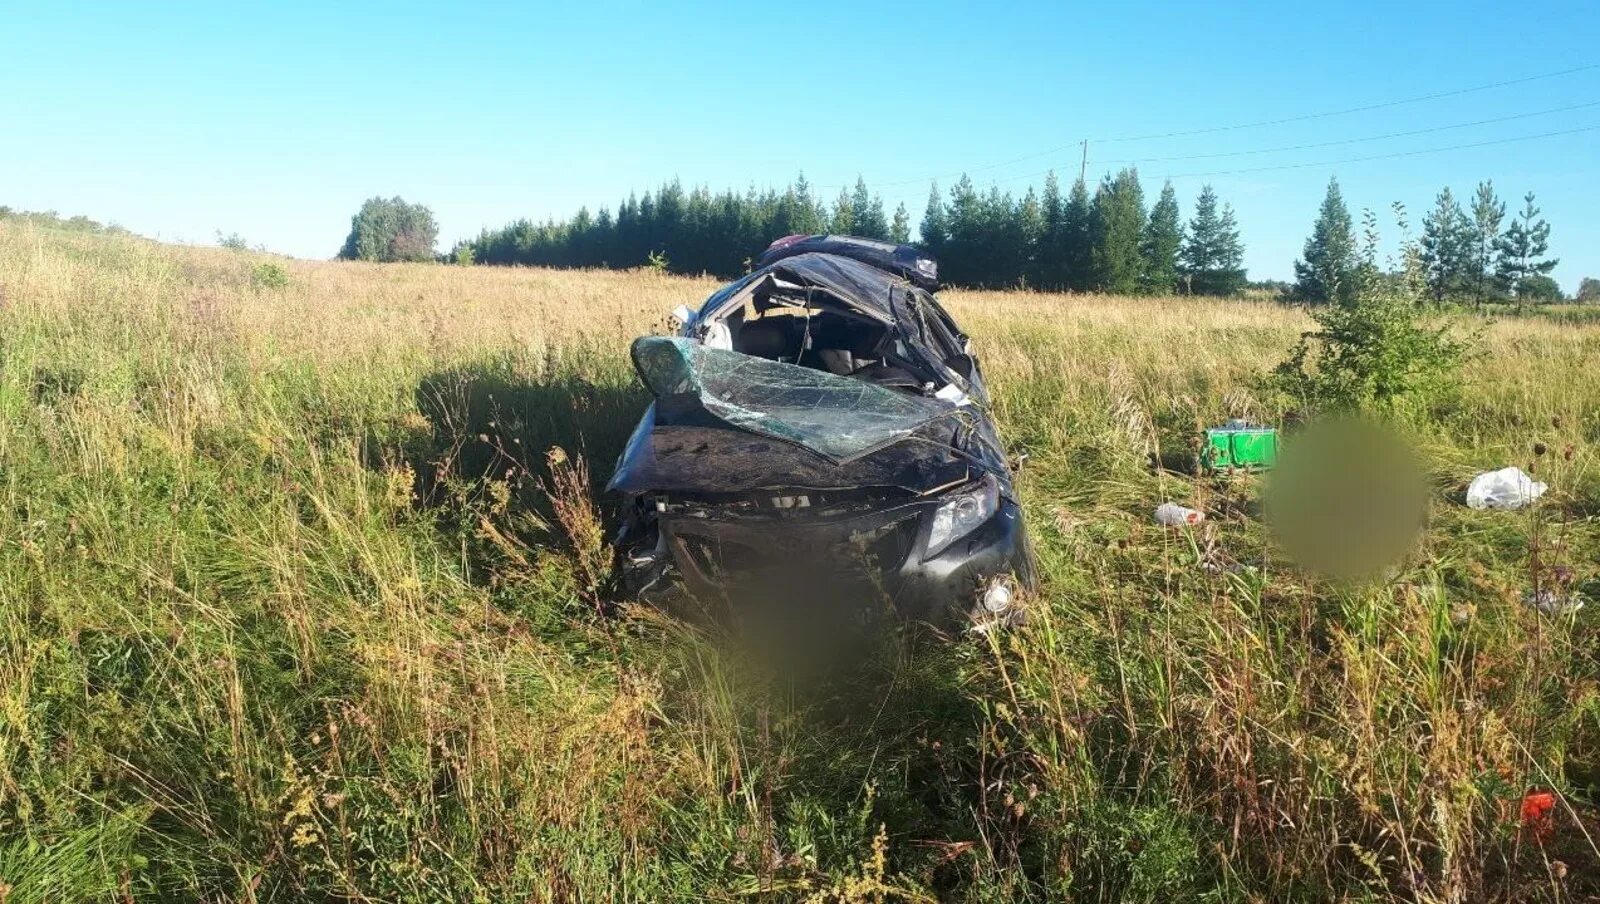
[{"x": 1538, "y": 808}]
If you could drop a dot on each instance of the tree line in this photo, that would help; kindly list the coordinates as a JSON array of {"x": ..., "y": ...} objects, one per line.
[
  {"x": 49, "y": 219},
  {"x": 687, "y": 231},
  {"x": 1470, "y": 253},
  {"x": 1104, "y": 241}
]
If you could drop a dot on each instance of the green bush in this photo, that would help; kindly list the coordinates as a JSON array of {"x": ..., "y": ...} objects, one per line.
[
  {"x": 1376, "y": 350},
  {"x": 233, "y": 241},
  {"x": 1539, "y": 288},
  {"x": 269, "y": 275}
]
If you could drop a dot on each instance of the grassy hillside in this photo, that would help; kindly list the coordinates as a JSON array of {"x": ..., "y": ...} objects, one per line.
[{"x": 286, "y": 613}]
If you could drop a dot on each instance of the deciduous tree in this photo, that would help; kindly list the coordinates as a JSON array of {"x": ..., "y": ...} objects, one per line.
[{"x": 389, "y": 229}]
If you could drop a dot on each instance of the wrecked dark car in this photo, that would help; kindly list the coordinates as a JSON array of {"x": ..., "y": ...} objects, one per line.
[{"x": 820, "y": 438}]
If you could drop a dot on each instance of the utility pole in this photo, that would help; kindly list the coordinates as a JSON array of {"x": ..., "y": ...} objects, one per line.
[{"x": 1083, "y": 167}]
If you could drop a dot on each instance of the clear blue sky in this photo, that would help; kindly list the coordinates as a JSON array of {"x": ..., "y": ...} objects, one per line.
[{"x": 277, "y": 120}]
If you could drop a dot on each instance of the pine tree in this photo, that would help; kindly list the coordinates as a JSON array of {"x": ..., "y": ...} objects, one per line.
[
  {"x": 900, "y": 228},
  {"x": 814, "y": 211},
  {"x": 867, "y": 213},
  {"x": 1229, "y": 278},
  {"x": 625, "y": 253},
  {"x": 844, "y": 217},
  {"x": 1076, "y": 259},
  {"x": 1445, "y": 248},
  {"x": 797, "y": 212},
  {"x": 1521, "y": 252},
  {"x": 1030, "y": 234},
  {"x": 1488, "y": 212},
  {"x": 963, "y": 261},
  {"x": 999, "y": 249},
  {"x": 1212, "y": 262},
  {"x": 1327, "y": 271},
  {"x": 578, "y": 238},
  {"x": 935, "y": 228},
  {"x": 1050, "y": 258},
  {"x": 1116, "y": 222},
  {"x": 1163, "y": 237},
  {"x": 669, "y": 219}
]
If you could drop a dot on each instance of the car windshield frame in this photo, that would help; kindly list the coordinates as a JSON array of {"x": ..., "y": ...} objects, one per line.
[{"x": 838, "y": 417}]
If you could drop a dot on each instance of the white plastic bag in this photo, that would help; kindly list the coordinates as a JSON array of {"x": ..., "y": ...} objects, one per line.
[
  {"x": 1507, "y": 488},
  {"x": 1174, "y": 515},
  {"x": 1552, "y": 603}
]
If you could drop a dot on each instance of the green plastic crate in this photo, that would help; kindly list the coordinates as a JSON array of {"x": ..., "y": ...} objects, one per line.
[{"x": 1240, "y": 447}]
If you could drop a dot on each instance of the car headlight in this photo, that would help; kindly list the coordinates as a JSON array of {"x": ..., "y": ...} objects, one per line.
[{"x": 961, "y": 514}]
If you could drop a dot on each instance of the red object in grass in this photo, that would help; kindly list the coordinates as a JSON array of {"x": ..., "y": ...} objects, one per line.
[{"x": 1538, "y": 809}]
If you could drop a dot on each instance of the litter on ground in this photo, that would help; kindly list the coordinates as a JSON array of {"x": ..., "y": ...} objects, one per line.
[
  {"x": 1172, "y": 514},
  {"x": 1507, "y": 488},
  {"x": 1553, "y": 603}
]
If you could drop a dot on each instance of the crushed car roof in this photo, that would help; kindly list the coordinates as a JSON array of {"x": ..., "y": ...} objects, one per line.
[
  {"x": 905, "y": 261},
  {"x": 853, "y": 282}
]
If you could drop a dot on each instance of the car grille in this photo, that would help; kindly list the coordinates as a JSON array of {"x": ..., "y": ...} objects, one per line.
[{"x": 801, "y": 551}]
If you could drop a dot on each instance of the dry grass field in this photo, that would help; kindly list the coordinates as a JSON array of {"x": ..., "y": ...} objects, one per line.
[{"x": 287, "y": 613}]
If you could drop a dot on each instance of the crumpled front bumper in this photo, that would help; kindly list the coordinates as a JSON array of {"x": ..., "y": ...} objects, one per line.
[{"x": 863, "y": 560}]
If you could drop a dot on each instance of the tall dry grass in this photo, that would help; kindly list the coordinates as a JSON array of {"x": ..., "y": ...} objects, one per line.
[{"x": 286, "y": 613}]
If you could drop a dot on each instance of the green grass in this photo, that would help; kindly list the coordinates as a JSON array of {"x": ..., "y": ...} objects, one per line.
[{"x": 286, "y": 613}]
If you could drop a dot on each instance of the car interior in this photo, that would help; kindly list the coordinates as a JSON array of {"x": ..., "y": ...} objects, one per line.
[{"x": 814, "y": 330}]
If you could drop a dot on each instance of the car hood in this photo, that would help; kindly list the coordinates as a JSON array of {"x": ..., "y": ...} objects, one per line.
[
  {"x": 711, "y": 458},
  {"x": 728, "y": 423}
]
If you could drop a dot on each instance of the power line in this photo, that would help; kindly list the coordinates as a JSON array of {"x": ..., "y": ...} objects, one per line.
[
  {"x": 1361, "y": 109},
  {"x": 1391, "y": 156},
  {"x": 1438, "y": 95},
  {"x": 1388, "y": 156},
  {"x": 1343, "y": 141}
]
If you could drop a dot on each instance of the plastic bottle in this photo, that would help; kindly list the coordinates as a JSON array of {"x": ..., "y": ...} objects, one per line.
[{"x": 1174, "y": 515}]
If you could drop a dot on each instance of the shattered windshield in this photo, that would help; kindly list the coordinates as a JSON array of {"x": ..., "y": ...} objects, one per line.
[{"x": 838, "y": 417}]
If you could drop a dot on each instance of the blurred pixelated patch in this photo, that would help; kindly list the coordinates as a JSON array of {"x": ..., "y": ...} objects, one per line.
[{"x": 1348, "y": 499}]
